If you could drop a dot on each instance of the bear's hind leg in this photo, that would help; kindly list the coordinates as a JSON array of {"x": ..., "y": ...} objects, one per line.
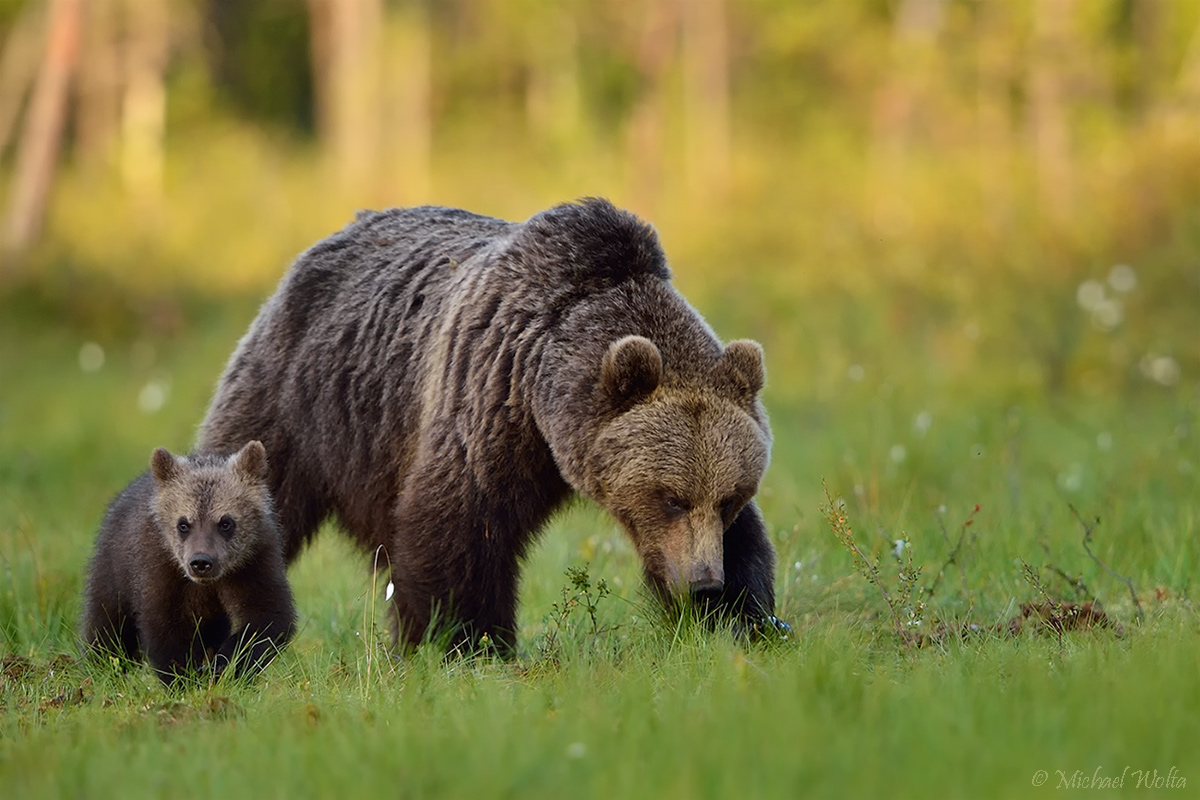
[
  {"x": 107, "y": 626},
  {"x": 455, "y": 574}
]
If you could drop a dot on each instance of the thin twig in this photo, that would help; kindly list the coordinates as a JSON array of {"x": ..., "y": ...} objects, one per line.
[
  {"x": 1076, "y": 583},
  {"x": 953, "y": 557},
  {"x": 1087, "y": 538}
]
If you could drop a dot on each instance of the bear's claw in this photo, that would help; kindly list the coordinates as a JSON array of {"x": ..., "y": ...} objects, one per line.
[{"x": 765, "y": 628}]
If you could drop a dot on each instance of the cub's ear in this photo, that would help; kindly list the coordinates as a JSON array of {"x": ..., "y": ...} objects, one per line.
[
  {"x": 163, "y": 465},
  {"x": 740, "y": 369},
  {"x": 631, "y": 370},
  {"x": 251, "y": 461}
]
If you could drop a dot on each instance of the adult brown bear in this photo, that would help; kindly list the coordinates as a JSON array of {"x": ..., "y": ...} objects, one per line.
[{"x": 442, "y": 381}]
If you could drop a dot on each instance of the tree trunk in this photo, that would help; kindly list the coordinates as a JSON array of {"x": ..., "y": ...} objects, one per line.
[
  {"x": 1048, "y": 108},
  {"x": 706, "y": 95},
  {"x": 144, "y": 101},
  {"x": 18, "y": 67},
  {"x": 993, "y": 115},
  {"x": 553, "y": 102},
  {"x": 1181, "y": 106},
  {"x": 320, "y": 45},
  {"x": 37, "y": 155},
  {"x": 99, "y": 84},
  {"x": 347, "y": 66},
  {"x": 408, "y": 119},
  {"x": 914, "y": 50},
  {"x": 657, "y": 45},
  {"x": 1147, "y": 35}
]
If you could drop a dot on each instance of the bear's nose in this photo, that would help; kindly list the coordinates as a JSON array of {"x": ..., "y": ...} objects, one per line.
[
  {"x": 706, "y": 585},
  {"x": 200, "y": 565}
]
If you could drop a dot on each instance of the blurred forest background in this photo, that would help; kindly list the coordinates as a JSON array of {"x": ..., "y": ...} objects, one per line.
[{"x": 989, "y": 194}]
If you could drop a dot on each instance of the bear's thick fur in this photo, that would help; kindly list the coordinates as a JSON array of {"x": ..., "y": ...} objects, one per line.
[
  {"x": 189, "y": 567},
  {"x": 442, "y": 381}
]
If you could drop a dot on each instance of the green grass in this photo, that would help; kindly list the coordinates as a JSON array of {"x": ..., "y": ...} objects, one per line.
[{"x": 642, "y": 708}]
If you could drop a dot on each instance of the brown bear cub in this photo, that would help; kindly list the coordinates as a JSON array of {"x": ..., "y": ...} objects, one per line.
[
  {"x": 441, "y": 382},
  {"x": 189, "y": 568}
]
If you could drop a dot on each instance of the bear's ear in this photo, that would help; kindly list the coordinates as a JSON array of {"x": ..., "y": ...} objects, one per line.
[
  {"x": 163, "y": 465},
  {"x": 631, "y": 370},
  {"x": 251, "y": 461},
  {"x": 740, "y": 369}
]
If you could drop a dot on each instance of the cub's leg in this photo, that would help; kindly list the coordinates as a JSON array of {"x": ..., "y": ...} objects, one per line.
[{"x": 260, "y": 602}]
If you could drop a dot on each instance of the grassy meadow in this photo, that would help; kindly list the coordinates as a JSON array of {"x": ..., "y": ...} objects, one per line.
[
  {"x": 625, "y": 703},
  {"x": 967, "y": 235}
]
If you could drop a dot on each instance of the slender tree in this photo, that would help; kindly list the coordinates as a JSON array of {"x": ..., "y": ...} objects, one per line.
[
  {"x": 38, "y": 150},
  {"x": 994, "y": 70},
  {"x": 18, "y": 67},
  {"x": 707, "y": 132},
  {"x": 1048, "y": 119},
  {"x": 911, "y": 67},
  {"x": 144, "y": 99},
  {"x": 99, "y": 88},
  {"x": 347, "y": 62},
  {"x": 407, "y": 122},
  {"x": 553, "y": 94},
  {"x": 656, "y": 47}
]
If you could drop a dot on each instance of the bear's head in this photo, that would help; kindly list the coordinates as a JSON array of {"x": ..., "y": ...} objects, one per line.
[
  {"x": 676, "y": 464},
  {"x": 212, "y": 511}
]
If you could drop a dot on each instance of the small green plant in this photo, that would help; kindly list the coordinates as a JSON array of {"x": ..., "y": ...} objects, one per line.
[
  {"x": 1054, "y": 607},
  {"x": 906, "y": 613},
  {"x": 579, "y": 594}
]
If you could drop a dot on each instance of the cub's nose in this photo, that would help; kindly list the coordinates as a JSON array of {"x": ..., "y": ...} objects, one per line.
[
  {"x": 201, "y": 566},
  {"x": 706, "y": 585}
]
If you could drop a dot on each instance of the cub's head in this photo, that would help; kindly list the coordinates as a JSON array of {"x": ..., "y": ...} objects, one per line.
[
  {"x": 213, "y": 512},
  {"x": 677, "y": 464}
]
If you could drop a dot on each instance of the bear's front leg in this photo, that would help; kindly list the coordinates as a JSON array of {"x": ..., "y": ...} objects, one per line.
[
  {"x": 748, "y": 598},
  {"x": 173, "y": 647}
]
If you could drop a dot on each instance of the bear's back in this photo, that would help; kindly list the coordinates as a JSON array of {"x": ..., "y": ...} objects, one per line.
[{"x": 574, "y": 248}]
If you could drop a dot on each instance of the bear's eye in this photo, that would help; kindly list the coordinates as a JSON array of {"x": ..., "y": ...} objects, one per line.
[
  {"x": 183, "y": 526},
  {"x": 226, "y": 526},
  {"x": 674, "y": 505},
  {"x": 727, "y": 508}
]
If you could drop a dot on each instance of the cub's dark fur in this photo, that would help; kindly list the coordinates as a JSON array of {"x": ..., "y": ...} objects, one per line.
[
  {"x": 441, "y": 382},
  {"x": 189, "y": 567}
]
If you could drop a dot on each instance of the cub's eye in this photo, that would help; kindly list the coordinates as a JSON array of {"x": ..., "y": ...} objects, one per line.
[
  {"x": 183, "y": 526},
  {"x": 226, "y": 525}
]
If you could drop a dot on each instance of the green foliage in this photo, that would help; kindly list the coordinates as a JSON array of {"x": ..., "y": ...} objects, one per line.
[
  {"x": 259, "y": 57},
  {"x": 843, "y": 223},
  {"x": 604, "y": 698},
  {"x": 906, "y": 613},
  {"x": 942, "y": 345},
  {"x": 578, "y": 596}
]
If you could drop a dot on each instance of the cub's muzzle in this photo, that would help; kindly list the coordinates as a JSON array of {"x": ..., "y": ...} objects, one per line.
[{"x": 202, "y": 567}]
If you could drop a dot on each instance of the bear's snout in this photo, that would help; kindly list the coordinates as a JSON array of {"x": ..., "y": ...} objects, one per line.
[
  {"x": 711, "y": 585},
  {"x": 202, "y": 566},
  {"x": 706, "y": 576}
]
